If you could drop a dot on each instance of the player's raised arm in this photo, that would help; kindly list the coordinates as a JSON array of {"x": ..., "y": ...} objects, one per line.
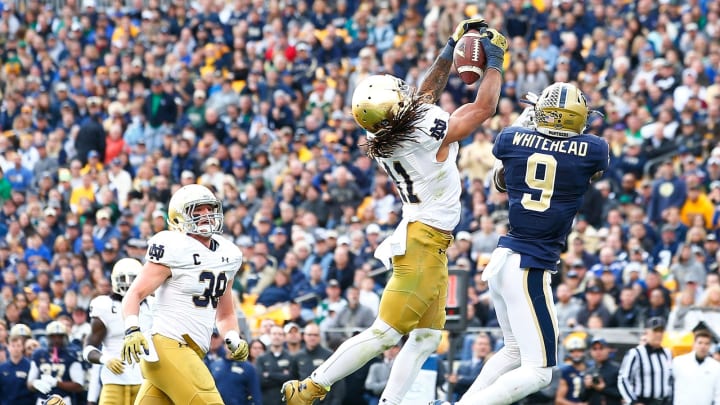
[
  {"x": 437, "y": 77},
  {"x": 469, "y": 117}
]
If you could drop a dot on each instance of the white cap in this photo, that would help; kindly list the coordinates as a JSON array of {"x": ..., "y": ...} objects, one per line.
[
  {"x": 463, "y": 235},
  {"x": 372, "y": 228}
]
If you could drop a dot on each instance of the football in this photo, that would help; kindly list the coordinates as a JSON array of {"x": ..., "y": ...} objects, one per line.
[
  {"x": 469, "y": 57},
  {"x": 55, "y": 400}
]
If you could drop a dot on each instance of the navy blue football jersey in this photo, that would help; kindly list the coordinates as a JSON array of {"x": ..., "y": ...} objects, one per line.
[
  {"x": 575, "y": 383},
  {"x": 59, "y": 365},
  {"x": 546, "y": 179}
]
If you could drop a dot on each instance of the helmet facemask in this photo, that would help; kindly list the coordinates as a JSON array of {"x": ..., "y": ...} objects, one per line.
[
  {"x": 561, "y": 111},
  {"x": 122, "y": 283},
  {"x": 123, "y": 274},
  {"x": 203, "y": 224}
]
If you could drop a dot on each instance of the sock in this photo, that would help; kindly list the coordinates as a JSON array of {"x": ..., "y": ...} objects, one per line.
[
  {"x": 355, "y": 352},
  {"x": 406, "y": 367},
  {"x": 510, "y": 387},
  {"x": 500, "y": 363}
]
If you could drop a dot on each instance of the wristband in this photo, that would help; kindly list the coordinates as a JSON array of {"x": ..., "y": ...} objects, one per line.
[
  {"x": 131, "y": 321},
  {"x": 104, "y": 358},
  {"x": 447, "y": 51},
  {"x": 232, "y": 338},
  {"x": 89, "y": 349}
]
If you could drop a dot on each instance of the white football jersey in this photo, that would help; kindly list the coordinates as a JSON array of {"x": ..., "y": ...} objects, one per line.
[
  {"x": 430, "y": 190},
  {"x": 109, "y": 312},
  {"x": 186, "y": 303}
]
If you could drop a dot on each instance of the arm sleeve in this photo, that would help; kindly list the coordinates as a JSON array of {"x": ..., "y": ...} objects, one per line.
[
  {"x": 34, "y": 372},
  {"x": 77, "y": 375},
  {"x": 625, "y": 377},
  {"x": 604, "y": 154},
  {"x": 433, "y": 128},
  {"x": 99, "y": 308},
  {"x": 94, "y": 384},
  {"x": 497, "y": 149},
  {"x": 166, "y": 248}
]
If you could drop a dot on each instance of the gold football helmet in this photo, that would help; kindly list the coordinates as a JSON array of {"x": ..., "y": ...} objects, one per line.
[
  {"x": 575, "y": 343},
  {"x": 123, "y": 273},
  {"x": 181, "y": 211},
  {"x": 377, "y": 99},
  {"x": 55, "y": 328},
  {"x": 561, "y": 111},
  {"x": 20, "y": 330}
]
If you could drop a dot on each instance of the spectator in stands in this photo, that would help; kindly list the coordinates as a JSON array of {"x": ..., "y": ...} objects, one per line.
[
  {"x": 601, "y": 381},
  {"x": 312, "y": 354},
  {"x": 378, "y": 374},
  {"x": 593, "y": 306},
  {"x": 273, "y": 367},
  {"x": 627, "y": 314},
  {"x": 352, "y": 318},
  {"x": 293, "y": 338},
  {"x": 295, "y": 314},
  {"x": 707, "y": 311},
  {"x": 237, "y": 381},
  {"x": 257, "y": 349},
  {"x": 567, "y": 306},
  {"x": 278, "y": 292},
  {"x": 667, "y": 179},
  {"x": 468, "y": 370}
]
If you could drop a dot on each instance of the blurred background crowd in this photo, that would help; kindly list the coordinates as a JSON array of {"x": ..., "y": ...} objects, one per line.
[{"x": 108, "y": 106}]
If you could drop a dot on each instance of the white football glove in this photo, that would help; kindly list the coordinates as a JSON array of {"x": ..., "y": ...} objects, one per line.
[
  {"x": 52, "y": 381},
  {"x": 532, "y": 98},
  {"x": 526, "y": 119},
  {"x": 41, "y": 386}
]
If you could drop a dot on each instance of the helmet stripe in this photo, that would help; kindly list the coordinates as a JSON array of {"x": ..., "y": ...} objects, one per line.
[{"x": 563, "y": 96}]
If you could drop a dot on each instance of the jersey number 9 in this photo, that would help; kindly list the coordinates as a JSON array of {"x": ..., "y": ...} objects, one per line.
[
  {"x": 545, "y": 184},
  {"x": 214, "y": 289}
]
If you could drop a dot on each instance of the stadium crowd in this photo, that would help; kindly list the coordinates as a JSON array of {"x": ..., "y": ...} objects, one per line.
[{"x": 106, "y": 109}]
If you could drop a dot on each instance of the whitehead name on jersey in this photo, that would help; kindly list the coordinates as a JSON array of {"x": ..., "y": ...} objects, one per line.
[
  {"x": 546, "y": 180},
  {"x": 187, "y": 302},
  {"x": 430, "y": 190},
  {"x": 109, "y": 312}
]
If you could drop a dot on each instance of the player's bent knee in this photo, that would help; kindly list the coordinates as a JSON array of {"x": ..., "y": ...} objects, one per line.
[
  {"x": 426, "y": 340},
  {"x": 544, "y": 376},
  {"x": 384, "y": 333}
]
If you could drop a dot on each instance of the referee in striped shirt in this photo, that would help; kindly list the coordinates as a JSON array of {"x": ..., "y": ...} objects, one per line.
[{"x": 645, "y": 373}]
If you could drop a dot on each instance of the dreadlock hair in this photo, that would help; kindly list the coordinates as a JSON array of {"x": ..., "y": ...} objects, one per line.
[{"x": 397, "y": 129}]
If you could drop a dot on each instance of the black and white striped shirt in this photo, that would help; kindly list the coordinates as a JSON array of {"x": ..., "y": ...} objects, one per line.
[{"x": 645, "y": 373}]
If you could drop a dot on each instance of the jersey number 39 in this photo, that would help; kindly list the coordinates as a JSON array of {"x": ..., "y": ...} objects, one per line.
[
  {"x": 539, "y": 175},
  {"x": 214, "y": 289}
]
